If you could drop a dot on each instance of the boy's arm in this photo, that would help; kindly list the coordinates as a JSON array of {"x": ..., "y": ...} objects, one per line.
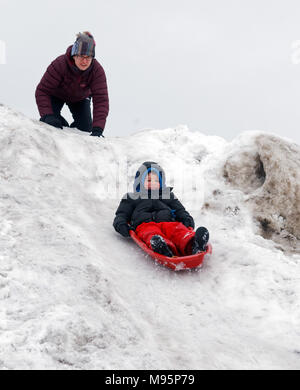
[
  {"x": 181, "y": 214},
  {"x": 123, "y": 216}
]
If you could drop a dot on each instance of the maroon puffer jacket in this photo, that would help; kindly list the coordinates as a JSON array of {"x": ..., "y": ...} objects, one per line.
[{"x": 65, "y": 81}]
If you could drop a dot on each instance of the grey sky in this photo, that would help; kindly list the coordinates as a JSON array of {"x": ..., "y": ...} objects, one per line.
[{"x": 219, "y": 67}]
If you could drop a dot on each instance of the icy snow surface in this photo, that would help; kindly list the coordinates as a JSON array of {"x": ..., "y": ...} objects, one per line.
[{"x": 76, "y": 295}]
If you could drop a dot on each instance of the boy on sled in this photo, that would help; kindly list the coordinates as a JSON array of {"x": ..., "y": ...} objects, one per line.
[{"x": 158, "y": 217}]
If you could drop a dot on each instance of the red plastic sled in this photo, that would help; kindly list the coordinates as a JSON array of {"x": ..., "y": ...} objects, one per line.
[{"x": 176, "y": 263}]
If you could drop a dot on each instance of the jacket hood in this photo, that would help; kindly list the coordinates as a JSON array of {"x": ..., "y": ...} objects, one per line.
[{"x": 142, "y": 172}]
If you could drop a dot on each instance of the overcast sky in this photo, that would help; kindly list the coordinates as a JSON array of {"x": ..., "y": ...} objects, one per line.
[{"x": 219, "y": 67}]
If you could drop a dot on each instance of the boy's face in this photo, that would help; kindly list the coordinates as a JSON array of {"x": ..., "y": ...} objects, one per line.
[{"x": 151, "y": 182}]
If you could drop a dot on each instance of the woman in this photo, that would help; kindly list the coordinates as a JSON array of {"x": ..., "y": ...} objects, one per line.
[{"x": 75, "y": 78}]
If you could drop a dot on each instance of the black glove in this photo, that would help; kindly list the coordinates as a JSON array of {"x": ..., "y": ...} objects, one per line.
[
  {"x": 124, "y": 230},
  {"x": 189, "y": 222},
  {"x": 52, "y": 120},
  {"x": 97, "y": 132}
]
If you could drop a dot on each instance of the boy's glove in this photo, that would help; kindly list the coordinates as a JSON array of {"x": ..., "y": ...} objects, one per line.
[
  {"x": 189, "y": 222},
  {"x": 52, "y": 120},
  {"x": 97, "y": 132},
  {"x": 123, "y": 229}
]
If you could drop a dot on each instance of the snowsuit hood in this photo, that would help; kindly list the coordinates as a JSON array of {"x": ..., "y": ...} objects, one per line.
[{"x": 142, "y": 172}]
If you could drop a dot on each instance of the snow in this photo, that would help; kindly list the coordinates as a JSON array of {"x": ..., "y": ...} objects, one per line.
[{"x": 76, "y": 295}]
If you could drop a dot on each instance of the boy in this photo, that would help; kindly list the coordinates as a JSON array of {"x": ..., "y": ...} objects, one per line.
[{"x": 157, "y": 216}]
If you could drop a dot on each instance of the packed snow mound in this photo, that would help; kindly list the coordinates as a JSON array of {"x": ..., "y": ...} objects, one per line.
[
  {"x": 76, "y": 295},
  {"x": 267, "y": 169}
]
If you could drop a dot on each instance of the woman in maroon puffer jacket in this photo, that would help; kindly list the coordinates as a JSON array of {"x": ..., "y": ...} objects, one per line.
[{"x": 74, "y": 78}]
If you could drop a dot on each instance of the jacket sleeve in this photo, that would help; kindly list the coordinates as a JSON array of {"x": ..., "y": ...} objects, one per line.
[
  {"x": 100, "y": 97},
  {"x": 181, "y": 214},
  {"x": 48, "y": 84},
  {"x": 123, "y": 213}
]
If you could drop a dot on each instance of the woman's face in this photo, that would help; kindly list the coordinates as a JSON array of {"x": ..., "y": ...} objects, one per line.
[
  {"x": 83, "y": 62},
  {"x": 152, "y": 182}
]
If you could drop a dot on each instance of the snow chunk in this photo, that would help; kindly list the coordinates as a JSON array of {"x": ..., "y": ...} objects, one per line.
[{"x": 267, "y": 169}]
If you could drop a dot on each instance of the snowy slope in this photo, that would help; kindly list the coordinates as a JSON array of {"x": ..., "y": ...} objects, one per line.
[{"x": 76, "y": 295}]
